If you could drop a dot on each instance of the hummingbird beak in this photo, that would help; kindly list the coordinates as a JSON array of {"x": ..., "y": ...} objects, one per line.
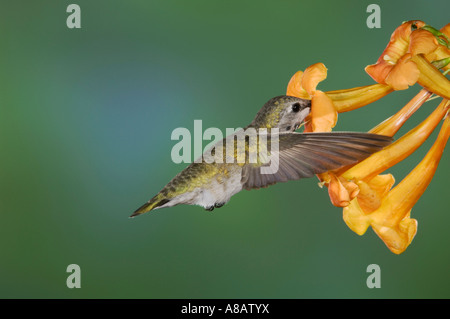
[{"x": 303, "y": 114}]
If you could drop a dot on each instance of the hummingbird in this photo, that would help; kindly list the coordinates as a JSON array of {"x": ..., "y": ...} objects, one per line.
[{"x": 298, "y": 155}]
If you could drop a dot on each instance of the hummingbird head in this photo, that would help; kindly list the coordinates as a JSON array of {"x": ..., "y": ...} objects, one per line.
[{"x": 283, "y": 112}]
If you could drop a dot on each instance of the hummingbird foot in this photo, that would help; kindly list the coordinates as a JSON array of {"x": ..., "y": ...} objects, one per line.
[{"x": 217, "y": 205}]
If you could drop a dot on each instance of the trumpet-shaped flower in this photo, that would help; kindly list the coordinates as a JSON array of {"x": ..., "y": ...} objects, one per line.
[
  {"x": 341, "y": 190},
  {"x": 323, "y": 115},
  {"x": 392, "y": 63},
  {"x": 325, "y": 106},
  {"x": 406, "y": 59},
  {"x": 367, "y": 195},
  {"x": 364, "y": 193},
  {"x": 391, "y": 221}
]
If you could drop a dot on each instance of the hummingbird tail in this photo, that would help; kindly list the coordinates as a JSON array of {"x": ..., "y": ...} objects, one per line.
[{"x": 153, "y": 203}]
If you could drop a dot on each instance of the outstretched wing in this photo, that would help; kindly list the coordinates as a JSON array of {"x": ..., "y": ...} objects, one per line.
[{"x": 302, "y": 155}]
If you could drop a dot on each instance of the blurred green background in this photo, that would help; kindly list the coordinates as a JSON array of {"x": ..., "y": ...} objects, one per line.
[{"x": 86, "y": 117}]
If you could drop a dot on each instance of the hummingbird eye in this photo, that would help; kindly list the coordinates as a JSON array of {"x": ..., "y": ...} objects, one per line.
[{"x": 296, "y": 107}]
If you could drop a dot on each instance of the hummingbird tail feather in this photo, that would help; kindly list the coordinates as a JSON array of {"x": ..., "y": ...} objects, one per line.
[{"x": 153, "y": 203}]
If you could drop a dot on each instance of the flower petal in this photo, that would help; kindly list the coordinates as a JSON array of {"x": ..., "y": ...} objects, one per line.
[
  {"x": 372, "y": 192},
  {"x": 323, "y": 113},
  {"x": 404, "y": 74},
  {"x": 340, "y": 191},
  {"x": 422, "y": 42},
  {"x": 399, "y": 237},
  {"x": 394, "y": 51},
  {"x": 379, "y": 71},
  {"x": 295, "y": 86},
  {"x": 312, "y": 76},
  {"x": 355, "y": 218}
]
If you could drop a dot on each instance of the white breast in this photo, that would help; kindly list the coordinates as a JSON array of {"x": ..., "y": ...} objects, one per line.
[
  {"x": 216, "y": 191},
  {"x": 219, "y": 192}
]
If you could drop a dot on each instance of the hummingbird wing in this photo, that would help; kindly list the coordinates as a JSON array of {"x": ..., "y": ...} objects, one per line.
[{"x": 302, "y": 155}]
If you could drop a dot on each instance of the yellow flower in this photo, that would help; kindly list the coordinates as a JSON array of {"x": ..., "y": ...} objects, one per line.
[
  {"x": 414, "y": 54},
  {"x": 392, "y": 221},
  {"x": 325, "y": 106},
  {"x": 364, "y": 193},
  {"x": 393, "y": 66},
  {"x": 408, "y": 56},
  {"x": 323, "y": 115},
  {"x": 340, "y": 189}
]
